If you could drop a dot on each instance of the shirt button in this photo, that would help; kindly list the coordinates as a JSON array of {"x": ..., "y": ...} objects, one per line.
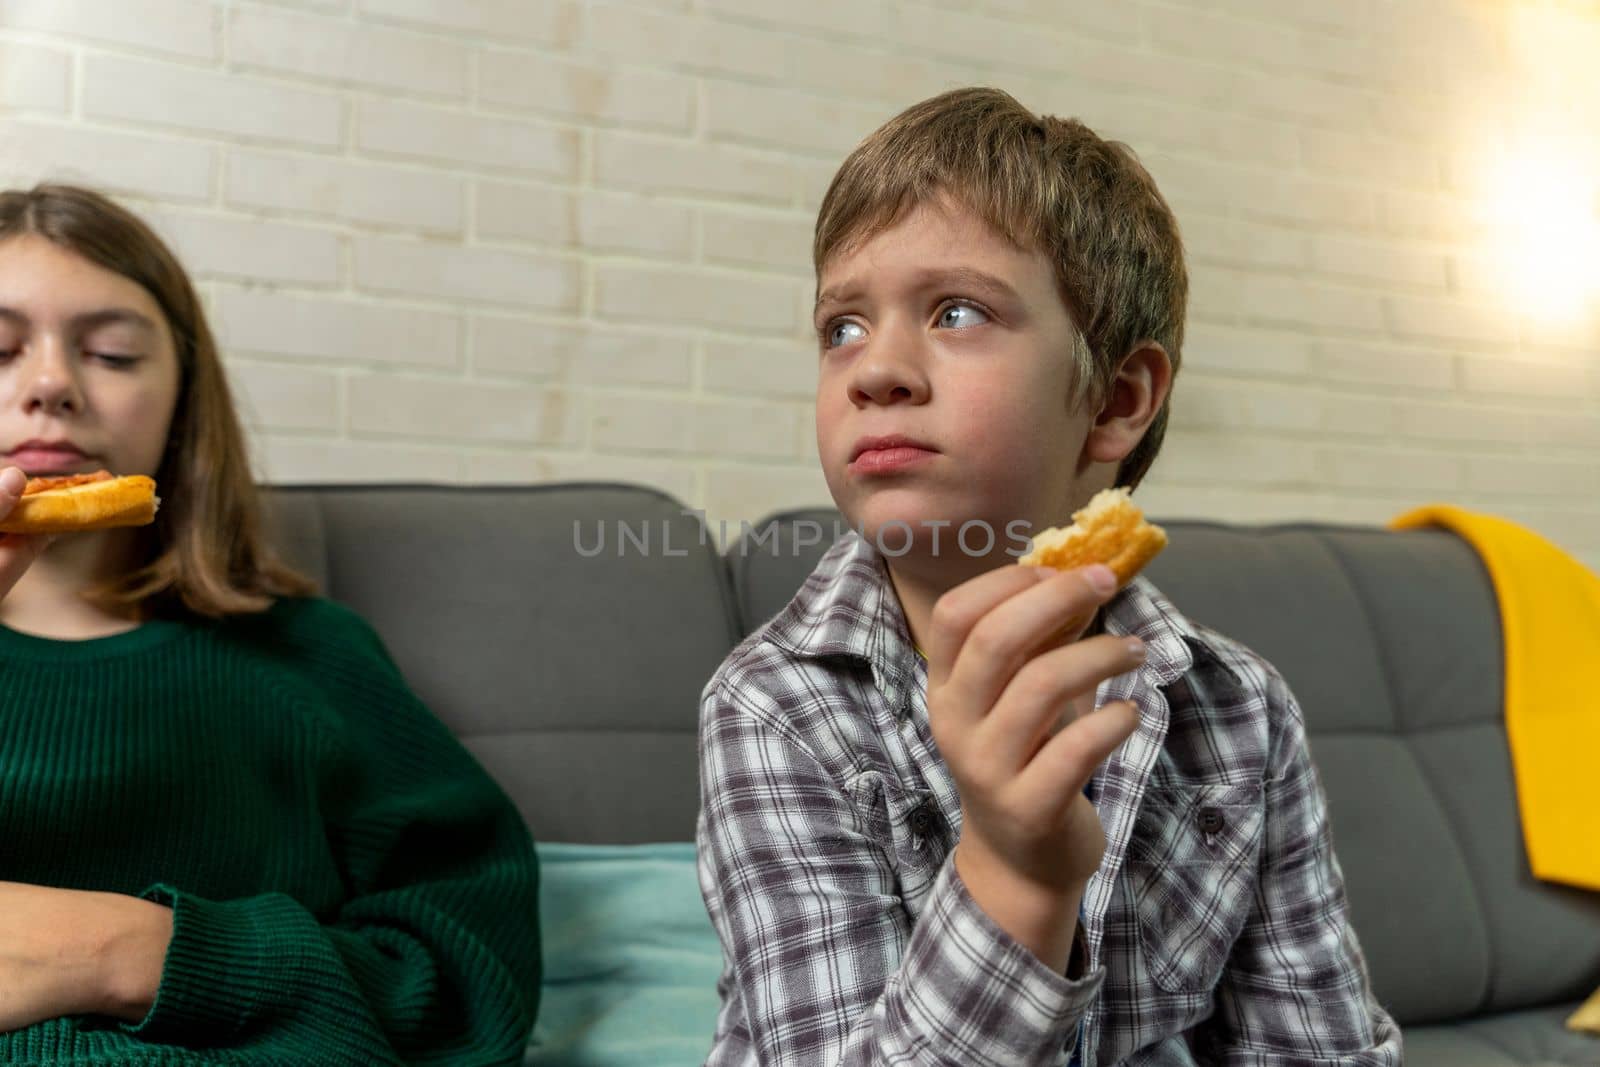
[
  {"x": 922, "y": 821},
  {"x": 1211, "y": 821}
]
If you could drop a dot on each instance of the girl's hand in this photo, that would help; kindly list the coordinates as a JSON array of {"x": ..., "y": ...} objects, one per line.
[
  {"x": 17, "y": 551},
  {"x": 77, "y": 952}
]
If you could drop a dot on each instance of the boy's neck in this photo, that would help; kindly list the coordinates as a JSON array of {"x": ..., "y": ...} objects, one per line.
[
  {"x": 920, "y": 587},
  {"x": 919, "y": 582}
]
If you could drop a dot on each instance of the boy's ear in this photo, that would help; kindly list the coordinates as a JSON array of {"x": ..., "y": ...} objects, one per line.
[{"x": 1137, "y": 392}]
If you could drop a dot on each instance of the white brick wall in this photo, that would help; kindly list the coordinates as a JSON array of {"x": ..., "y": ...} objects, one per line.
[
  {"x": 513, "y": 240},
  {"x": 35, "y": 79},
  {"x": 177, "y": 28},
  {"x": 368, "y": 194},
  {"x": 315, "y": 48},
  {"x": 141, "y": 92}
]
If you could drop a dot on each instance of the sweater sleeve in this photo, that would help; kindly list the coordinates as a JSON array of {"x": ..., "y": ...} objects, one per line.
[{"x": 433, "y": 956}]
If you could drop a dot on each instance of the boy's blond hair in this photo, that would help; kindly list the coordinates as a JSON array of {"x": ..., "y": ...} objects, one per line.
[{"x": 1047, "y": 184}]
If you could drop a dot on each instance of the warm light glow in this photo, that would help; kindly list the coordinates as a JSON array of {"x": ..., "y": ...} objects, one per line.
[
  {"x": 1542, "y": 206},
  {"x": 1541, "y": 198}
]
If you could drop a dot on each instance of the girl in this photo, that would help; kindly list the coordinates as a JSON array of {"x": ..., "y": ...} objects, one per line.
[{"x": 228, "y": 831}]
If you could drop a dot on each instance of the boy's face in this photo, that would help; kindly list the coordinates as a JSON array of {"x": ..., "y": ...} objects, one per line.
[{"x": 946, "y": 375}]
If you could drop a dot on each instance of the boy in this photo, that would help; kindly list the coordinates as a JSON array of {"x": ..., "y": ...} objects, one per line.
[{"x": 920, "y": 840}]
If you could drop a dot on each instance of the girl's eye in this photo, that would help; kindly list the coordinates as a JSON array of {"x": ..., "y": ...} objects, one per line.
[
  {"x": 844, "y": 333},
  {"x": 961, "y": 316},
  {"x": 114, "y": 360}
]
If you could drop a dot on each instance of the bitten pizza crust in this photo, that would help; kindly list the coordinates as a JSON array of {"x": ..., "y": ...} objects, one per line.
[
  {"x": 76, "y": 502},
  {"x": 1110, "y": 529}
]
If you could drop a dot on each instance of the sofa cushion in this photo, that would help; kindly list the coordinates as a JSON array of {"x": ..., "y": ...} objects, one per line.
[
  {"x": 768, "y": 564},
  {"x": 572, "y": 674},
  {"x": 630, "y": 958},
  {"x": 1418, "y": 778},
  {"x": 1391, "y": 644},
  {"x": 1533, "y": 1038}
]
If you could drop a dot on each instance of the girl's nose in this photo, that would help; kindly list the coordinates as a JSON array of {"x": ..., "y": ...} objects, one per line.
[{"x": 51, "y": 386}]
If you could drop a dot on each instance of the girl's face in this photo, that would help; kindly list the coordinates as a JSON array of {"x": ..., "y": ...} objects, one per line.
[{"x": 88, "y": 367}]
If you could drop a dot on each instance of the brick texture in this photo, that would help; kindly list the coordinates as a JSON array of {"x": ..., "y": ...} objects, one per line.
[{"x": 515, "y": 240}]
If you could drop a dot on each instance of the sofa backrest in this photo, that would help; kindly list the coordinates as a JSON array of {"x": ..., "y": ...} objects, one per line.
[
  {"x": 1391, "y": 644},
  {"x": 574, "y": 676},
  {"x": 567, "y": 658}
]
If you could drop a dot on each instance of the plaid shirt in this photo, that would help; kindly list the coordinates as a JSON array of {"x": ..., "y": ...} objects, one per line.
[{"x": 1215, "y": 930}]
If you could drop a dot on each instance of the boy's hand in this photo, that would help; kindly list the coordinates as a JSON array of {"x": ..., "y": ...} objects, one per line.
[{"x": 1010, "y": 703}]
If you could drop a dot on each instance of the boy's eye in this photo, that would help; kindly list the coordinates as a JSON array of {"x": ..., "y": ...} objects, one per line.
[
  {"x": 961, "y": 316},
  {"x": 844, "y": 333}
]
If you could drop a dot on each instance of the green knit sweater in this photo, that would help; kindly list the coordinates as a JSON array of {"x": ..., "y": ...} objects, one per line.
[{"x": 348, "y": 885}]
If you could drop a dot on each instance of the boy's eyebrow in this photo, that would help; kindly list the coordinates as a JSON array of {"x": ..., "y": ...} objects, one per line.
[{"x": 949, "y": 277}]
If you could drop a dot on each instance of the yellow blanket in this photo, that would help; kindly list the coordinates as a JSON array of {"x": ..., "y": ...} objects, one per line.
[{"x": 1550, "y": 617}]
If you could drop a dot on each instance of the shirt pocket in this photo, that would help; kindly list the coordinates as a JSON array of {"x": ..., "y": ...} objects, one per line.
[
  {"x": 905, "y": 822},
  {"x": 1191, "y": 866}
]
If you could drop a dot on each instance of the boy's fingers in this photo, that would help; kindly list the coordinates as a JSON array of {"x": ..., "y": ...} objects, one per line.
[
  {"x": 958, "y": 611},
  {"x": 1011, "y": 632},
  {"x": 1058, "y": 773},
  {"x": 1038, "y": 698},
  {"x": 1074, "y": 629}
]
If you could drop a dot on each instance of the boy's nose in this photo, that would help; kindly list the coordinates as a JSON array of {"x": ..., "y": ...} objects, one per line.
[{"x": 888, "y": 373}]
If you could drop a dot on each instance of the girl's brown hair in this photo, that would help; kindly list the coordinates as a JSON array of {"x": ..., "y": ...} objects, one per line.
[
  {"x": 1048, "y": 184},
  {"x": 206, "y": 554}
]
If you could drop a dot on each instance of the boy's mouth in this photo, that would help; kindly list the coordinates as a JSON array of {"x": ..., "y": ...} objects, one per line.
[{"x": 884, "y": 455}]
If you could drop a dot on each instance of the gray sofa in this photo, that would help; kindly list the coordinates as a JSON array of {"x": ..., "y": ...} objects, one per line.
[{"x": 551, "y": 662}]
